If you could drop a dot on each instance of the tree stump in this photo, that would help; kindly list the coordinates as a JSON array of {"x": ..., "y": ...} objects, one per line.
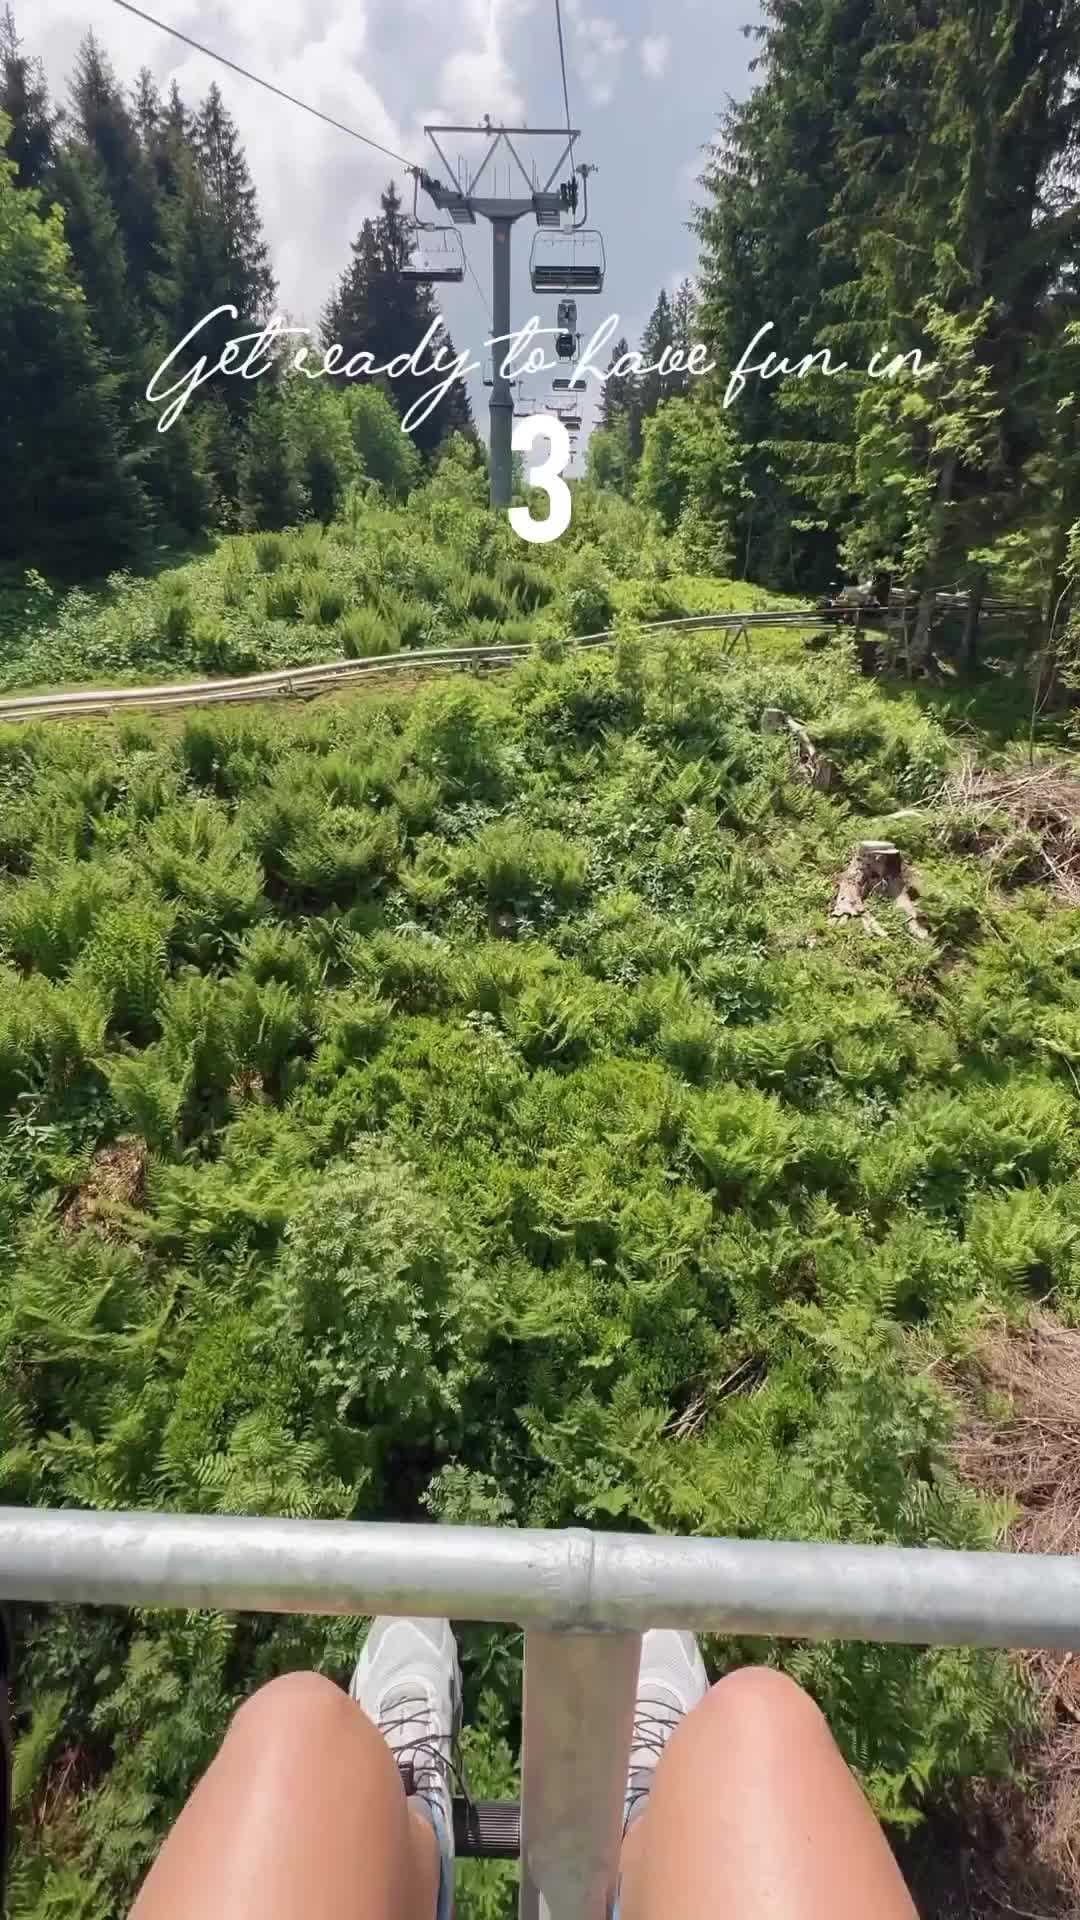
[{"x": 876, "y": 868}]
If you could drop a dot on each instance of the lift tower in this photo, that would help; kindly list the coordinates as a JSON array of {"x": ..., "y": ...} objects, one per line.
[{"x": 465, "y": 202}]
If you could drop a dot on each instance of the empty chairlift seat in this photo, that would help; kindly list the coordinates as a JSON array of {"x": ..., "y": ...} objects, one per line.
[
  {"x": 435, "y": 254},
  {"x": 567, "y": 262}
]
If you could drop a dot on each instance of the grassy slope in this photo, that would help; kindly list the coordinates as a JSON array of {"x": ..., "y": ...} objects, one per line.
[
  {"x": 437, "y": 572},
  {"x": 504, "y": 1029}
]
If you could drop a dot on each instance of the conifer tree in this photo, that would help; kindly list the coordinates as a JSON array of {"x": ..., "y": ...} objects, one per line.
[
  {"x": 103, "y": 120},
  {"x": 93, "y": 235},
  {"x": 24, "y": 98},
  {"x": 73, "y": 508},
  {"x": 771, "y": 184},
  {"x": 234, "y": 203},
  {"x": 620, "y": 389},
  {"x": 971, "y": 246},
  {"x": 375, "y": 310},
  {"x": 270, "y": 480},
  {"x": 658, "y": 338}
]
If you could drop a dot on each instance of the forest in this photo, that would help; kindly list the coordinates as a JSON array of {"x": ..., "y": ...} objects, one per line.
[{"x": 482, "y": 1098}]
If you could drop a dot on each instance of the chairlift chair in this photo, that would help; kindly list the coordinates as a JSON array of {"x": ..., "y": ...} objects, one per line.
[
  {"x": 567, "y": 261},
  {"x": 436, "y": 254},
  {"x": 561, "y": 385}
]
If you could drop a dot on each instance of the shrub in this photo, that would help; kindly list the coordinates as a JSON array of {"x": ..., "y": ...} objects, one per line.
[
  {"x": 389, "y": 1315},
  {"x": 323, "y": 604},
  {"x": 521, "y": 867},
  {"x": 125, "y": 960},
  {"x": 270, "y": 550},
  {"x": 364, "y": 632},
  {"x": 340, "y": 852},
  {"x": 47, "y": 1033},
  {"x": 585, "y": 594},
  {"x": 453, "y": 735},
  {"x": 283, "y": 596}
]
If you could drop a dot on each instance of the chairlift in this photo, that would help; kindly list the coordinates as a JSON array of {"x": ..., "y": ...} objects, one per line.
[
  {"x": 567, "y": 385},
  {"x": 567, "y": 261},
  {"x": 436, "y": 254},
  {"x": 570, "y": 415},
  {"x": 566, "y": 316}
]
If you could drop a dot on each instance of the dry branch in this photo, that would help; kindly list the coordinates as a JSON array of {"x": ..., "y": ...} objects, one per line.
[
  {"x": 1030, "y": 1455},
  {"x": 1041, "y": 803},
  {"x": 810, "y": 764}
]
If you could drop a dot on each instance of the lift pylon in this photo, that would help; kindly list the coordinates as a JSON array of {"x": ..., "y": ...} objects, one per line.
[{"x": 467, "y": 199}]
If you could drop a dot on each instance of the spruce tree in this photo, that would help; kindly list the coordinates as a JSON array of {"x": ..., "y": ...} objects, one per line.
[
  {"x": 375, "y": 310},
  {"x": 71, "y": 507},
  {"x": 93, "y": 235},
  {"x": 24, "y": 98},
  {"x": 234, "y": 203},
  {"x": 658, "y": 338},
  {"x": 967, "y": 236},
  {"x": 772, "y": 182},
  {"x": 620, "y": 392},
  {"x": 270, "y": 480},
  {"x": 104, "y": 121}
]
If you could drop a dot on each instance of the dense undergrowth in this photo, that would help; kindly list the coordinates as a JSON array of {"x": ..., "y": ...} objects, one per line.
[
  {"x": 461, "y": 1107},
  {"x": 438, "y": 570}
]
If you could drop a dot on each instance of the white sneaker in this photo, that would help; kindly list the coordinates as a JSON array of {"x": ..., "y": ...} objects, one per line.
[
  {"x": 671, "y": 1680},
  {"x": 408, "y": 1682}
]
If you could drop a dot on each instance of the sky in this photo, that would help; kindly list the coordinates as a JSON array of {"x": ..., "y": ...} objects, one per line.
[{"x": 648, "y": 82}]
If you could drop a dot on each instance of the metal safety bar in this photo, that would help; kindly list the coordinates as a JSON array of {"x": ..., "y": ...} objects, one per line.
[{"x": 583, "y": 1598}]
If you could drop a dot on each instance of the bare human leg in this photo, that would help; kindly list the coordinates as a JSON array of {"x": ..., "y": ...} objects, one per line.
[
  {"x": 754, "y": 1815},
  {"x": 301, "y": 1816}
]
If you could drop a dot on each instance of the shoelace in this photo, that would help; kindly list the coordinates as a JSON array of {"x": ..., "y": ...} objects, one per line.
[
  {"x": 440, "y": 1769},
  {"x": 654, "y": 1725}
]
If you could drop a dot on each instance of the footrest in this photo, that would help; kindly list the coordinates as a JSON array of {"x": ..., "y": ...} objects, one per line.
[{"x": 487, "y": 1829}]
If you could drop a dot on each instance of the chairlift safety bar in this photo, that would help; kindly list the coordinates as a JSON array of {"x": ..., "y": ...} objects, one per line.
[{"x": 583, "y": 1599}]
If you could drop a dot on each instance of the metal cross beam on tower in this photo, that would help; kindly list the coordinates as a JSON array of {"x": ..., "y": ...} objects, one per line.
[{"x": 465, "y": 202}]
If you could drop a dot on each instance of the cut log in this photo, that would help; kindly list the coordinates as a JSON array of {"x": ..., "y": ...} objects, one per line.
[
  {"x": 876, "y": 868},
  {"x": 811, "y": 764}
]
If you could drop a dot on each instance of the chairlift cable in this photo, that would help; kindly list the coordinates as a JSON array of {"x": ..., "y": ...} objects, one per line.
[
  {"x": 260, "y": 82},
  {"x": 565, "y": 89}
]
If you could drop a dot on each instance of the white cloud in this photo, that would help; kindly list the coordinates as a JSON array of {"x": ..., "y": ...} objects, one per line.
[
  {"x": 478, "y": 79},
  {"x": 655, "y": 54},
  {"x": 366, "y": 63},
  {"x": 598, "y": 48}
]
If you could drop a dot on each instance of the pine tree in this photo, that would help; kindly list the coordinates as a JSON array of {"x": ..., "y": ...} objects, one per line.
[
  {"x": 375, "y": 310},
  {"x": 619, "y": 390},
  {"x": 224, "y": 170},
  {"x": 683, "y": 312},
  {"x": 270, "y": 482},
  {"x": 658, "y": 338},
  {"x": 72, "y": 506},
  {"x": 165, "y": 130},
  {"x": 772, "y": 182},
  {"x": 146, "y": 101},
  {"x": 970, "y": 245},
  {"x": 104, "y": 121},
  {"x": 24, "y": 98},
  {"x": 93, "y": 235}
]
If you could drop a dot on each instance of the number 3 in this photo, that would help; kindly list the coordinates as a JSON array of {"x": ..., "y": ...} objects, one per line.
[{"x": 547, "y": 475}]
